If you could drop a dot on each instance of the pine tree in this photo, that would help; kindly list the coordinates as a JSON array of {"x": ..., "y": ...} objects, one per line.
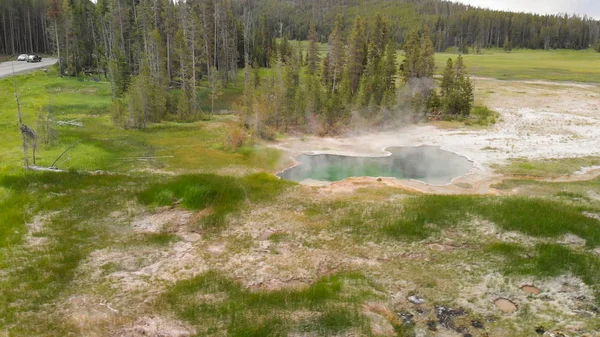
[
  {"x": 434, "y": 102},
  {"x": 412, "y": 52},
  {"x": 312, "y": 59},
  {"x": 291, "y": 84},
  {"x": 507, "y": 45},
  {"x": 380, "y": 36},
  {"x": 326, "y": 73},
  {"x": 390, "y": 66},
  {"x": 448, "y": 78},
  {"x": 426, "y": 61},
  {"x": 215, "y": 83},
  {"x": 355, "y": 56},
  {"x": 461, "y": 69},
  {"x": 457, "y": 89},
  {"x": 336, "y": 55}
]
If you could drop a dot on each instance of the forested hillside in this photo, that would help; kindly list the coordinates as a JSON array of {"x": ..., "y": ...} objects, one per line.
[
  {"x": 451, "y": 24},
  {"x": 30, "y": 26}
]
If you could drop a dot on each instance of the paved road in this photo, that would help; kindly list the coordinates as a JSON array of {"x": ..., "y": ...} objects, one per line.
[{"x": 6, "y": 68}]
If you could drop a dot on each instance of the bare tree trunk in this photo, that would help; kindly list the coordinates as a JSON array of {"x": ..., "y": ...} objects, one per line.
[
  {"x": 194, "y": 97},
  {"x": 25, "y": 150},
  {"x": 247, "y": 16},
  {"x": 5, "y": 42},
  {"x": 215, "y": 35},
  {"x": 30, "y": 33},
  {"x": 169, "y": 57},
  {"x": 121, "y": 26},
  {"x": 12, "y": 32},
  {"x": 60, "y": 61},
  {"x": 20, "y": 117},
  {"x": 205, "y": 31},
  {"x": 45, "y": 33},
  {"x": 34, "y": 150},
  {"x": 67, "y": 44}
]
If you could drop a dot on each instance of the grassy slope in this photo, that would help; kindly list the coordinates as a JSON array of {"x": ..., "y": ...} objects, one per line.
[{"x": 101, "y": 145}]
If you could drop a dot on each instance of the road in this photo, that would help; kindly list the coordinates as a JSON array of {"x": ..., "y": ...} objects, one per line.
[{"x": 6, "y": 68}]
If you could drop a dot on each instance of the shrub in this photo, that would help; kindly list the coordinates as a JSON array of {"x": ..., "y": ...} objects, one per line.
[
  {"x": 482, "y": 115},
  {"x": 236, "y": 136}
]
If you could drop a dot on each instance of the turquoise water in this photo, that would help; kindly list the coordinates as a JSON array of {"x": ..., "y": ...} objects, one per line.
[{"x": 429, "y": 164}]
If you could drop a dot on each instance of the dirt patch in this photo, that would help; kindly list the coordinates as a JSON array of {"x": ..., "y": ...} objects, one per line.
[
  {"x": 381, "y": 319},
  {"x": 164, "y": 219},
  {"x": 35, "y": 236},
  {"x": 154, "y": 327},
  {"x": 592, "y": 215},
  {"x": 572, "y": 240},
  {"x": 505, "y": 305},
  {"x": 530, "y": 289},
  {"x": 90, "y": 315}
]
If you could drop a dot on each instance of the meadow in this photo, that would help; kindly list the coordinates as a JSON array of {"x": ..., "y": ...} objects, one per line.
[
  {"x": 100, "y": 145},
  {"x": 518, "y": 64}
]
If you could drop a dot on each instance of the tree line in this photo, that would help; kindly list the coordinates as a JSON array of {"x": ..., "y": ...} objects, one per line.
[
  {"x": 28, "y": 26},
  {"x": 451, "y": 24}
]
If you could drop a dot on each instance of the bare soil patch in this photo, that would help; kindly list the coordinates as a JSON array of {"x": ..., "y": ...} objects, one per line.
[{"x": 505, "y": 305}]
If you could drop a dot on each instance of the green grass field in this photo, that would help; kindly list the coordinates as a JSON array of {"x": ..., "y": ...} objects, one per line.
[
  {"x": 553, "y": 65},
  {"x": 103, "y": 146},
  {"x": 519, "y": 64}
]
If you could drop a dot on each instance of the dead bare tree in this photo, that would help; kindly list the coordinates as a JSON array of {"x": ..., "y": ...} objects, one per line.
[
  {"x": 247, "y": 26},
  {"x": 27, "y": 134}
]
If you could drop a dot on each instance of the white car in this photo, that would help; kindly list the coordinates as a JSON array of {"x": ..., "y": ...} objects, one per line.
[{"x": 23, "y": 57}]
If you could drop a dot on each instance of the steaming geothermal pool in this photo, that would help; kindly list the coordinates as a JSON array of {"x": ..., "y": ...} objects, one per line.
[{"x": 429, "y": 164}]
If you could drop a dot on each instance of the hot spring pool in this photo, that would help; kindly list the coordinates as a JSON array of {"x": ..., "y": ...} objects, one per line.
[{"x": 429, "y": 164}]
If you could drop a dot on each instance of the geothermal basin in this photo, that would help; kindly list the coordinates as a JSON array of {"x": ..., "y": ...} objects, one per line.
[{"x": 429, "y": 164}]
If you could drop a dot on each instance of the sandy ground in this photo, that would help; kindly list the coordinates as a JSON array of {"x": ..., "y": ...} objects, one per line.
[{"x": 538, "y": 120}]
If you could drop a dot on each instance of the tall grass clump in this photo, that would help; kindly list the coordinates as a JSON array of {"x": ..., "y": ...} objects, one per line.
[
  {"x": 73, "y": 209},
  {"x": 221, "y": 194},
  {"x": 214, "y": 302},
  {"x": 541, "y": 218},
  {"x": 417, "y": 218}
]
